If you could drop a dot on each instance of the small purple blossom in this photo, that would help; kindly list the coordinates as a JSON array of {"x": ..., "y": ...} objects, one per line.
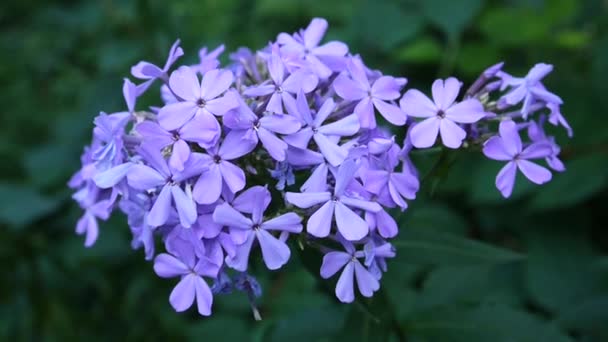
[
  {"x": 441, "y": 115},
  {"x": 370, "y": 95},
  {"x": 508, "y": 147}
]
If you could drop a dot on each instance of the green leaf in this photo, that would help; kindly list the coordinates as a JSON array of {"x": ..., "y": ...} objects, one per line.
[
  {"x": 22, "y": 205},
  {"x": 568, "y": 189},
  {"x": 387, "y": 20},
  {"x": 422, "y": 50},
  {"x": 514, "y": 26},
  {"x": 484, "y": 323},
  {"x": 560, "y": 271},
  {"x": 451, "y": 16},
  {"x": 428, "y": 247},
  {"x": 307, "y": 325}
]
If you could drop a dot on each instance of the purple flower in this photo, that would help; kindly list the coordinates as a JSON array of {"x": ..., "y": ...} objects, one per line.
[
  {"x": 198, "y": 98},
  {"x": 148, "y": 71},
  {"x": 305, "y": 45},
  {"x": 508, "y": 147},
  {"x": 527, "y": 89},
  {"x": 247, "y": 126},
  {"x": 159, "y": 175},
  {"x": 108, "y": 133},
  {"x": 537, "y": 135},
  {"x": 376, "y": 95},
  {"x": 353, "y": 269},
  {"x": 275, "y": 252},
  {"x": 441, "y": 115},
  {"x": 282, "y": 87},
  {"x": 283, "y": 173},
  {"x": 197, "y": 130},
  {"x": 325, "y": 136},
  {"x": 191, "y": 285},
  {"x": 399, "y": 185},
  {"x": 349, "y": 224},
  {"x": 208, "y": 60},
  {"x": 556, "y": 118},
  {"x": 220, "y": 171}
]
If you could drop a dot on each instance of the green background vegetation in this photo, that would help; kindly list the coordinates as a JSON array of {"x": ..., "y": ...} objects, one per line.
[{"x": 470, "y": 266}]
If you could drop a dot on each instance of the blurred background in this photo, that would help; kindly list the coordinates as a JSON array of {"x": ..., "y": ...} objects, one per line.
[{"x": 470, "y": 266}]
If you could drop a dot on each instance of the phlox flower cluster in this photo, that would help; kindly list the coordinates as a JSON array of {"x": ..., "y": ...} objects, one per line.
[{"x": 292, "y": 145}]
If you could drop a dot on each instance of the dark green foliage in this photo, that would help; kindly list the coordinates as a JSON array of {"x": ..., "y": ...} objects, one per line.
[{"x": 470, "y": 266}]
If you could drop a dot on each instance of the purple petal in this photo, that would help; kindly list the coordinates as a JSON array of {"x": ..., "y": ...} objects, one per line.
[
  {"x": 333, "y": 48},
  {"x": 186, "y": 208},
  {"x": 452, "y": 135},
  {"x": 536, "y": 151},
  {"x": 159, "y": 213},
  {"x": 275, "y": 146},
  {"x": 209, "y": 186},
  {"x": 300, "y": 81},
  {"x": 510, "y": 136},
  {"x": 226, "y": 215},
  {"x": 334, "y": 154},
  {"x": 182, "y": 296},
  {"x": 275, "y": 103},
  {"x": 386, "y": 225},
  {"x": 175, "y": 115},
  {"x": 276, "y": 69},
  {"x": 129, "y": 91},
  {"x": 154, "y": 134},
  {"x": 235, "y": 145},
  {"x": 289, "y": 222},
  {"x": 204, "y": 297},
  {"x": 365, "y": 280},
  {"x": 365, "y": 112},
  {"x": 344, "y": 288},
  {"x": 233, "y": 176},
  {"x": 406, "y": 184},
  {"x": 333, "y": 262},
  {"x": 222, "y": 105},
  {"x": 326, "y": 109},
  {"x": 168, "y": 266},
  {"x": 303, "y": 157},
  {"x": 424, "y": 134},
  {"x": 350, "y": 225},
  {"x": 274, "y": 252},
  {"x": 260, "y": 90},
  {"x": 390, "y": 112},
  {"x": 245, "y": 201},
  {"x": 203, "y": 129},
  {"x": 261, "y": 199},
  {"x": 494, "y": 148},
  {"x": 240, "y": 261},
  {"x": 314, "y": 32},
  {"x": 357, "y": 71},
  {"x": 317, "y": 182},
  {"x": 179, "y": 155},
  {"x": 308, "y": 199},
  {"x": 145, "y": 70},
  {"x": 385, "y": 88},
  {"x": 346, "y": 173},
  {"x": 184, "y": 84},
  {"x": 361, "y": 204},
  {"x": 302, "y": 138},
  {"x": 505, "y": 180},
  {"x": 415, "y": 103},
  {"x": 349, "y": 89},
  {"x": 534, "y": 172},
  {"x": 142, "y": 177},
  {"x": 445, "y": 92},
  {"x": 282, "y": 124},
  {"x": 375, "y": 180},
  {"x": 538, "y": 72},
  {"x": 319, "y": 223},
  {"x": 467, "y": 111},
  {"x": 343, "y": 127},
  {"x": 215, "y": 82},
  {"x": 113, "y": 176}
]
